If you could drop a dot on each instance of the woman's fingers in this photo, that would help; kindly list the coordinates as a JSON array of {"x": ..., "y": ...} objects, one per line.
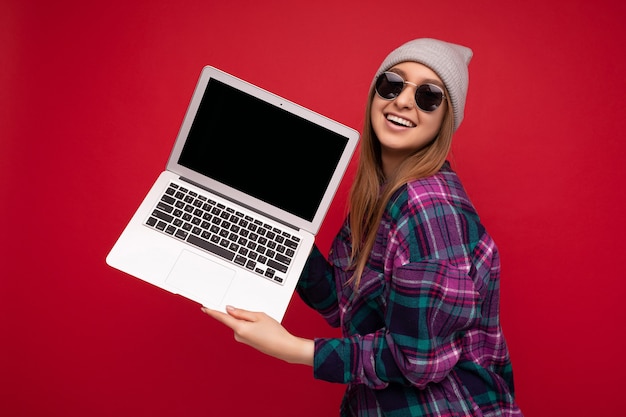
[
  {"x": 242, "y": 314},
  {"x": 223, "y": 318}
]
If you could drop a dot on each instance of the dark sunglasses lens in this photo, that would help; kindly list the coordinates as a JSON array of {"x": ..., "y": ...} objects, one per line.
[
  {"x": 389, "y": 85},
  {"x": 428, "y": 97}
]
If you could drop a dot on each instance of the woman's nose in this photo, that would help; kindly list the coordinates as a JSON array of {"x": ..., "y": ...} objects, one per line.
[{"x": 407, "y": 97}]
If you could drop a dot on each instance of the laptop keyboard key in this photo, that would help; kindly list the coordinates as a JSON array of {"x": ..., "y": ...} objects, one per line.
[
  {"x": 277, "y": 266},
  {"x": 218, "y": 250}
]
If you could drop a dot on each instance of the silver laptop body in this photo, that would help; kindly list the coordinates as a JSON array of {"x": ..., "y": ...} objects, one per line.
[{"x": 232, "y": 219}]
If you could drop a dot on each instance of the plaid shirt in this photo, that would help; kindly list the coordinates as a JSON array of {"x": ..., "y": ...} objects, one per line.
[{"x": 422, "y": 336}]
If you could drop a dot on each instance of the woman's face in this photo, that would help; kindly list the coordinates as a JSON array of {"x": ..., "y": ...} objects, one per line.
[{"x": 400, "y": 125}]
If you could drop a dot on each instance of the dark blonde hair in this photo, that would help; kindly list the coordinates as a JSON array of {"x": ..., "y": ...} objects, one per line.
[{"x": 368, "y": 196}]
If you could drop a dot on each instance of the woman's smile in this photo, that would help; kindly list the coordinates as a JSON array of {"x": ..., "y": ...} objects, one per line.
[{"x": 397, "y": 120}]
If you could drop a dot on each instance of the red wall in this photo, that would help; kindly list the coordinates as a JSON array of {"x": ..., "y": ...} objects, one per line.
[{"x": 92, "y": 94}]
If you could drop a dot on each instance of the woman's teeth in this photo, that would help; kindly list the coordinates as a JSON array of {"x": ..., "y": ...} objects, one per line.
[{"x": 400, "y": 121}]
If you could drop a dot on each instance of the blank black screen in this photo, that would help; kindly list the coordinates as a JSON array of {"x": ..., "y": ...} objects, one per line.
[{"x": 261, "y": 149}]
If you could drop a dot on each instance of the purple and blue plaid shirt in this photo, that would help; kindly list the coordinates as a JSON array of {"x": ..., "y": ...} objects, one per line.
[{"x": 422, "y": 335}]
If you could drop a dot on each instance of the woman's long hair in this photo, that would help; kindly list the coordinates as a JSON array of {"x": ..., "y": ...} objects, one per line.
[{"x": 368, "y": 197}]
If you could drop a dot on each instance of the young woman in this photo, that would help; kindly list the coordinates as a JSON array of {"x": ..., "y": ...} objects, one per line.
[{"x": 413, "y": 277}]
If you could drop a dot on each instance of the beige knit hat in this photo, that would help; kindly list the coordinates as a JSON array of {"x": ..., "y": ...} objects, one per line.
[{"x": 448, "y": 60}]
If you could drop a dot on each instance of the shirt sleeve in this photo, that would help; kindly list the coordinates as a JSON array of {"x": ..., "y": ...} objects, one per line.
[
  {"x": 431, "y": 303},
  {"x": 317, "y": 287}
]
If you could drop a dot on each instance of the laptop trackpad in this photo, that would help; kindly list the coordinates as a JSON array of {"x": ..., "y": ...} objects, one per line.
[{"x": 200, "y": 278}]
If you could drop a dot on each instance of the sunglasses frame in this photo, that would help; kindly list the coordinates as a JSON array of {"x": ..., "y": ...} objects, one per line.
[{"x": 417, "y": 86}]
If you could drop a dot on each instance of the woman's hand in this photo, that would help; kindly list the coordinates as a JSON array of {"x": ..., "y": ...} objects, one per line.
[{"x": 265, "y": 334}]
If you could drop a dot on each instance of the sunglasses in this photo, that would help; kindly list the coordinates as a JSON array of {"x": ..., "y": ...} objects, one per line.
[{"x": 428, "y": 96}]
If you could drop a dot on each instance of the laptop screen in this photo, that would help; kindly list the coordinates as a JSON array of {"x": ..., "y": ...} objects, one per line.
[{"x": 262, "y": 150}]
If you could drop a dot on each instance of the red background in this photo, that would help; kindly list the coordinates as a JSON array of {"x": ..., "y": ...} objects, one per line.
[{"x": 92, "y": 94}]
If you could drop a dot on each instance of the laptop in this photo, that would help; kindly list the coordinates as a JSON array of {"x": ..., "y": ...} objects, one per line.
[{"x": 233, "y": 218}]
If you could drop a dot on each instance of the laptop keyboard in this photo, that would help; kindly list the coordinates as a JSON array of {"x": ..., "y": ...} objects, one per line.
[{"x": 221, "y": 230}]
